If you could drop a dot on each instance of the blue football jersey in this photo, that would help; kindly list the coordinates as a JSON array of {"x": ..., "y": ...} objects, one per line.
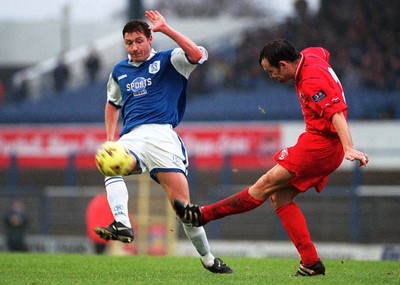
[{"x": 152, "y": 92}]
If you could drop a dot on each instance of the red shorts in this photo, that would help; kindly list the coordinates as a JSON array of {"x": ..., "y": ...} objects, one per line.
[{"x": 312, "y": 160}]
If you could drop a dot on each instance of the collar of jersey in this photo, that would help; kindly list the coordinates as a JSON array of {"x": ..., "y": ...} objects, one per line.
[
  {"x": 138, "y": 63},
  {"x": 299, "y": 66}
]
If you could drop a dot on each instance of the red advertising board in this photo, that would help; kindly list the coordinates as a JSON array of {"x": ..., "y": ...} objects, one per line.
[
  {"x": 245, "y": 145},
  {"x": 48, "y": 146}
]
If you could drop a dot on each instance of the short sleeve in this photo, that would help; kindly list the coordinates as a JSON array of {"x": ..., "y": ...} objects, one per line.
[
  {"x": 324, "y": 98},
  {"x": 113, "y": 92},
  {"x": 182, "y": 64}
]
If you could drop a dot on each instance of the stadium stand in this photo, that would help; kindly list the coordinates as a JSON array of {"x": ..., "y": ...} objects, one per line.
[
  {"x": 232, "y": 87},
  {"x": 264, "y": 102}
]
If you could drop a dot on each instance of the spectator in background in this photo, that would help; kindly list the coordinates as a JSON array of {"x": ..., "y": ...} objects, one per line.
[
  {"x": 98, "y": 213},
  {"x": 2, "y": 93},
  {"x": 16, "y": 223},
  {"x": 21, "y": 91},
  {"x": 92, "y": 65},
  {"x": 61, "y": 75}
]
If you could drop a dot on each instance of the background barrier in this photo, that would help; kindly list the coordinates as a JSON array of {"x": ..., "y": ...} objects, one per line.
[{"x": 52, "y": 170}]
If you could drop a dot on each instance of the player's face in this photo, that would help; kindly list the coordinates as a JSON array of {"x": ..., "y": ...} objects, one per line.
[
  {"x": 138, "y": 46},
  {"x": 278, "y": 73}
]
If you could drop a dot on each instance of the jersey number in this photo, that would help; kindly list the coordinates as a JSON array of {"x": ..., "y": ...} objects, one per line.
[{"x": 333, "y": 74}]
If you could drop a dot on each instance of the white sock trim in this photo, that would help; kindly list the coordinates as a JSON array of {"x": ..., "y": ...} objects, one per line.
[
  {"x": 117, "y": 196},
  {"x": 198, "y": 237}
]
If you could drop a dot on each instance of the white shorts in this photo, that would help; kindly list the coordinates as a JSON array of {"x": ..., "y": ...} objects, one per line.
[{"x": 157, "y": 148}]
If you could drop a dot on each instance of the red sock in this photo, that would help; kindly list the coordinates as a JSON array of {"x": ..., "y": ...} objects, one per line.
[
  {"x": 296, "y": 227},
  {"x": 238, "y": 203}
]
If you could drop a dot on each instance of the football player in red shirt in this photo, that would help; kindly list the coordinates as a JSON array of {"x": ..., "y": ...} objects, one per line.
[{"x": 318, "y": 152}]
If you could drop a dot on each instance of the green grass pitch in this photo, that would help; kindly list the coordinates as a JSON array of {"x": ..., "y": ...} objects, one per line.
[{"x": 33, "y": 268}]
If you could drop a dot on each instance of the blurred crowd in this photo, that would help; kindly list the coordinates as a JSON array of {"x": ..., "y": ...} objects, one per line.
[{"x": 362, "y": 37}]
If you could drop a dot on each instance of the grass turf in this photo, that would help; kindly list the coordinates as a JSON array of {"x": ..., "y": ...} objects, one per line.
[{"x": 33, "y": 268}]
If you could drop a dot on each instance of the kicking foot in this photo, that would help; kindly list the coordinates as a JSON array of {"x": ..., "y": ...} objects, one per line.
[{"x": 189, "y": 213}]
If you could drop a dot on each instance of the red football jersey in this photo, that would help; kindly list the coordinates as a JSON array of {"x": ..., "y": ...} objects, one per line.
[{"x": 319, "y": 91}]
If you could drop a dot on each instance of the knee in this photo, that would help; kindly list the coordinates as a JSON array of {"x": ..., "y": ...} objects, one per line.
[
  {"x": 274, "y": 199},
  {"x": 262, "y": 189},
  {"x": 282, "y": 198},
  {"x": 268, "y": 181},
  {"x": 275, "y": 180},
  {"x": 265, "y": 181}
]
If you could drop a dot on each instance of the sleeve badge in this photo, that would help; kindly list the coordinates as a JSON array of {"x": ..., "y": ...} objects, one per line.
[{"x": 319, "y": 96}]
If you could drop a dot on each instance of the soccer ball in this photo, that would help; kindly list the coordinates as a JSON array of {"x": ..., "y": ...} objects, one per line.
[{"x": 113, "y": 159}]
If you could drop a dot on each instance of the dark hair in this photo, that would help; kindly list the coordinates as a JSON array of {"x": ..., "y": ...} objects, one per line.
[
  {"x": 137, "y": 26},
  {"x": 278, "y": 50}
]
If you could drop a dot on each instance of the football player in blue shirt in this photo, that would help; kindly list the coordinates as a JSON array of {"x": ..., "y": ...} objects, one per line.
[{"x": 149, "y": 90}]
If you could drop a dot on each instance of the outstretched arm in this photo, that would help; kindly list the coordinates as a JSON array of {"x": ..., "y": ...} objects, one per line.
[
  {"x": 160, "y": 25},
  {"x": 342, "y": 129}
]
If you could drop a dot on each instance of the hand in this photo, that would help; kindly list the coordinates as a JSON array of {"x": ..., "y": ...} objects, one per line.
[
  {"x": 156, "y": 19},
  {"x": 354, "y": 154}
]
